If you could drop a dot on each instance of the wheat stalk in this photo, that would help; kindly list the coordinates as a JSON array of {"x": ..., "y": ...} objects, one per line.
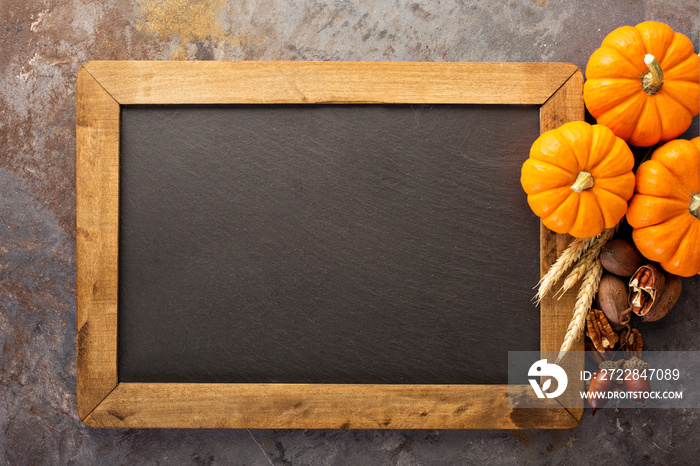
[
  {"x": 588, "y": 289},
  {"x": 576, "y": 274},
  {"x": 586, "y": 261},
  {"x": 565, "y": 260}
]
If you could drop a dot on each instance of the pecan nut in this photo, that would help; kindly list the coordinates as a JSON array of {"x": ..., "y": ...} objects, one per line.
[
  {"x": 599, "y": 330},
  {"x": 593, "y": 353},
  {"x": 613, "y": 294},
  {"x": 631, "y": 343},
  {"x": 646, "y": 284}
]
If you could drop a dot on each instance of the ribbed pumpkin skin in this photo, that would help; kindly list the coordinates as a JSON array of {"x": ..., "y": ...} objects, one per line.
[
  {"x": 556, "y": 158},
  {"x": 613, "y": 92},
  {"x": 664, "y": 229}
]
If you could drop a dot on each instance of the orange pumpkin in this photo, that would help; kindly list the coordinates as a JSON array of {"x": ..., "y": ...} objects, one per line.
[
  {"x": 579, "y": 178},
  {"x": 643, "y": 83},
  {"x": 665, "y": 210}
]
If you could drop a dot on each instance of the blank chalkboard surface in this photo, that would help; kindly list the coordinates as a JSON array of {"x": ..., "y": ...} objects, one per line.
[
  {"x": 313, "y": 244},
  {"x": 325, "y": 244}
]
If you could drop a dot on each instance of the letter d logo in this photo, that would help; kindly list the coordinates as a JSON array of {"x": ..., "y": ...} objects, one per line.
[{"x": 542, "y": 369}]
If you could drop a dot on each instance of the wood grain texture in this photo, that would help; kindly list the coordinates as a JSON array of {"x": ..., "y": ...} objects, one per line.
[
  {"x": 307, "y": 406},
  {"x": 177, "y": 82},
  {"x": 97, "y": 196},
  {"x": 103, "y": 86},
  {"x": 564, "y": 106}
]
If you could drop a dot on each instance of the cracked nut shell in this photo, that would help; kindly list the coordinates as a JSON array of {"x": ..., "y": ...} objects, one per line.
[
  {"x": 665, "y": 302},
  {"x": 645, "y": 286}
]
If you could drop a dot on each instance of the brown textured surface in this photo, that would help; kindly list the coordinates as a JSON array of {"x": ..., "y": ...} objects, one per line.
[{"x": 43, "y": 44}]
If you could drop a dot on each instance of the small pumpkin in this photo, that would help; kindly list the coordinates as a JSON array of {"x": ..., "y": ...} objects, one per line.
[
  {"x": 579, "y": 178},
  {"x": 665, "y": 210},
  {"x": 643, "y": 83}
]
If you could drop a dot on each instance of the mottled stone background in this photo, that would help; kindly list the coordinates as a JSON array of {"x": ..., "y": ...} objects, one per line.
[{"x": 42, "y": 44}]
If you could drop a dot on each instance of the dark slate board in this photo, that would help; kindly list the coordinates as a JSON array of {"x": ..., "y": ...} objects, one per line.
[{"x": 325, "y": 243}]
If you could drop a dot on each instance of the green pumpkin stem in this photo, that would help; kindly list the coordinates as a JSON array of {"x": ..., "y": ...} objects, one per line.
[
  {"x": 652, "y": 81},
  {"x": 584, "y": 180},
  {"x": 695, "y": 205}
]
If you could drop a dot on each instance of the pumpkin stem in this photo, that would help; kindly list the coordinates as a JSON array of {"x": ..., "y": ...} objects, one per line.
[
  {"x": 584, "y": 180},
  {"x": 652, "y": 81},
  {"x": 695, "y": 205}
]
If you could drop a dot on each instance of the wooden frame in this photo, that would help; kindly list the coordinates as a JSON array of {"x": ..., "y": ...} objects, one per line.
[{"x": 102, "y": 87}]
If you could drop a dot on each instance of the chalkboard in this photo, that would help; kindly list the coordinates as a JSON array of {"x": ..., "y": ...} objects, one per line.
[
  {"x": 311, "y": 244},
  {"x": 325, "y": 244}
]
